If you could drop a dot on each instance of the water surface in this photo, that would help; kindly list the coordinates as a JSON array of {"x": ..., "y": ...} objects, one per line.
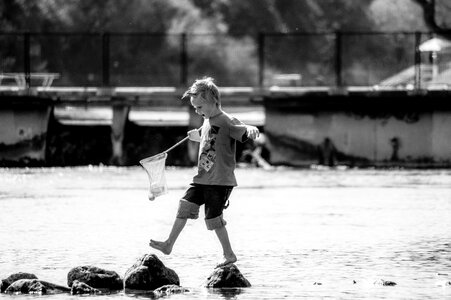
[{"x": 319, "y": 233}]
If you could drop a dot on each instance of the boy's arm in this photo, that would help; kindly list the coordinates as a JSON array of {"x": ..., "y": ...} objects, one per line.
[
  {"x": 252, "y": 132},
  {"x": 194, "y": 135}
]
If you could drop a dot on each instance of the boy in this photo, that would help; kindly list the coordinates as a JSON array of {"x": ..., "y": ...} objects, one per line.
[{"x": 215, "y": 178}]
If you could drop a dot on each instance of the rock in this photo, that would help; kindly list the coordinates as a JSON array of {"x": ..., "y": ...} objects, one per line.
[
  {"x": 79, "y": 288},
  {"x": 26, "y": 286},
  {"x": 149, "y": 273},
  {"x": 35, "y": 286},
  {"x": 444, "y": 283},
  {"x": 170, "y": 289},
  {"x": 55, "y": 288},
  {"x": 227, "y": 277},
  {"x": 384, "y": 282},
  {"x": 95, "y": 277},
  {"x": 5, "y": 283}
]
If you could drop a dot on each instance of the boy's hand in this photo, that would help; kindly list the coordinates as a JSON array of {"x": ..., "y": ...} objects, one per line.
[
  {"x": 252, "y": 132},
  {"x": 194, "y": 135}
]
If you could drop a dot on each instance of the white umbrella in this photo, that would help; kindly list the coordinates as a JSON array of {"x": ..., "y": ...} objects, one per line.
[{"x": 435, "y": 45}]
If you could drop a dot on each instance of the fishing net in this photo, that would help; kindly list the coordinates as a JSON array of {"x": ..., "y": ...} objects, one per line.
[{"x": 155, "y": 166}]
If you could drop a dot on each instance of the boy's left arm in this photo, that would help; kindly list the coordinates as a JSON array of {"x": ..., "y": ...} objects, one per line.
[
  {"x": 242, "y": 132},
  {"x": 252, "y": 132}
]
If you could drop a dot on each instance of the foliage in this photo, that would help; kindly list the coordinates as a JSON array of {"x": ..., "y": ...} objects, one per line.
[
  {"x": 222, "y": 38},
  {"x": 436, "y": 13}
]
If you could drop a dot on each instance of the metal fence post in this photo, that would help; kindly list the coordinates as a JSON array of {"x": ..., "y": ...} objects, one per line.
[
  {"x": 106, "y": 59},
  {"x": 417, "y": 61},
  {"x": 183, "y": 60},
  {"x": 26, "y": 59},
  {"x": 338, "y": 62},
  {"x": 261, "y": 59}
]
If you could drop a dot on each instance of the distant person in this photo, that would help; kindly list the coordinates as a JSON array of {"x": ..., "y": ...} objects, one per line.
[
  {"x": 215, "y": 176},
  {"x": 327, "y": 153},
  {"x": 254, "y": 153},
  {"x": 396, "y": 144}
]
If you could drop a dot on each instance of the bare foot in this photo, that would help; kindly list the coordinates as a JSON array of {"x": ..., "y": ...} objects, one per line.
[
  {"x": 162, "y": 246},
  {"x": 228, "y": 259}
]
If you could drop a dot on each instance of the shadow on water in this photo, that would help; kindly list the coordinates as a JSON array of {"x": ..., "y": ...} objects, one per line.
[
  {"x": 227, "y": 293},
  {"x": 139, "y": 293}
]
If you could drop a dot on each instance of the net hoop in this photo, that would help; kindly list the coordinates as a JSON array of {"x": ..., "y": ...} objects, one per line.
[{"x": 153, "y": 158}]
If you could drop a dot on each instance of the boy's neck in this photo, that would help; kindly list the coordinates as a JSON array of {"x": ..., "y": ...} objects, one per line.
[{"x": 216, "y": 112}]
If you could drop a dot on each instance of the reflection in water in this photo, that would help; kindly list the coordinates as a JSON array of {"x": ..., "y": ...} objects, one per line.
[
  {"x": 139, "y": 294},
  {"x": 345, "y": 229},
  {"x": 227, "y": 293}
]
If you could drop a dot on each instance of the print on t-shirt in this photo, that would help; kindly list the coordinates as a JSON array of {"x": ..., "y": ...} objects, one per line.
[{"x": 208, "y": 152}]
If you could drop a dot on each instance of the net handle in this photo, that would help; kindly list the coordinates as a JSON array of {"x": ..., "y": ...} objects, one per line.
[
  {"x": 175, "y": 145},
  {"x": 167, "y": 150},
  {"x": 179, "y": 142}
]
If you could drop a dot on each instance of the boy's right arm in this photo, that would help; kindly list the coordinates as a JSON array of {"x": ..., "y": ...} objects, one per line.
[{"x": 194, "y": 135}]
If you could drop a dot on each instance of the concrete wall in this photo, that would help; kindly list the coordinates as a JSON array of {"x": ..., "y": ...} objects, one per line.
[
  {"x": 23, "y": 129},
  {"x": 441, "y": 136},
  {"x": 367, "y": 136}
]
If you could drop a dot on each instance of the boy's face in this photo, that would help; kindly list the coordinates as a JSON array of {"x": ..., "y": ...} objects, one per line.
[{"x": 203, "y": 107}]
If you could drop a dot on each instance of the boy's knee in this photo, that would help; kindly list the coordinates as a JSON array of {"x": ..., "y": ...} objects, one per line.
[
  {"x": 187, "y": 210},
  {"x": 215, "y": 223}
]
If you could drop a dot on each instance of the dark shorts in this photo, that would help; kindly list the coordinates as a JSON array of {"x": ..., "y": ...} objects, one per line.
[{"x": 214, "y": 197}]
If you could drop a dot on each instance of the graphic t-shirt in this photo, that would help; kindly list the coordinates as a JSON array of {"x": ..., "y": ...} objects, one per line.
[{"x": 217, "y": 150}]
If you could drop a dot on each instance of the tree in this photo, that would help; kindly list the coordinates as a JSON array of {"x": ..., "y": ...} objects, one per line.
[
  {"x": 31, "y": 15},
  {"x": 437, "y": 14}
]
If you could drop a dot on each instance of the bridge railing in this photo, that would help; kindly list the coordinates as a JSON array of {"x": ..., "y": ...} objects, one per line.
[{"x": 328, "y": 59}]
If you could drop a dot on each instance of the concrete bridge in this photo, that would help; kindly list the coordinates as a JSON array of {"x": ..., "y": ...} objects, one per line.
[
  {"x": 25, "y": 113},
  {"x": 358, "y": 126}
]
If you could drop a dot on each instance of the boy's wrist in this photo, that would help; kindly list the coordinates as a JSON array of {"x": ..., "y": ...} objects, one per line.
[{"x": 194, "y": 135}]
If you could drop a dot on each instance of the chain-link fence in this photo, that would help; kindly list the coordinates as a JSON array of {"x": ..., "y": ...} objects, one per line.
[{"x": 397, "y": 59}]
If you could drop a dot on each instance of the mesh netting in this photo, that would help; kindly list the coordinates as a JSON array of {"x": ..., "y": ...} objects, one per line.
[{"x": 154, "y": 167}]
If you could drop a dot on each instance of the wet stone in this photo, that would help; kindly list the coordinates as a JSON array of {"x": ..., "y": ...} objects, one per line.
[
  {"x": 168, "y": 290},
  {"x": 26, "y": 286},
  {"x": 80, "y": 288},
  {"x": 5, "y": 283},
  {"x": 149, "y": 273},
  {"x": 35, "y": 286},
  {"x": 444, "y": 283},
  {"x": 95, "y": 277},
  {"x": 227, "y": 277},
  {"x": 385, "y": 282}
]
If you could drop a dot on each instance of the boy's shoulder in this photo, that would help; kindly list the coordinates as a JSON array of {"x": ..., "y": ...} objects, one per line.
[{"x": 230, "y": 119}]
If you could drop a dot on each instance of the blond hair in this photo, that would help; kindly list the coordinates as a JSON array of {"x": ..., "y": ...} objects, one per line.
[{"x": 206, "y": 88}]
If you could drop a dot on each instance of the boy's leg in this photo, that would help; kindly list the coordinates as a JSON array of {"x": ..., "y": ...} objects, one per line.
[
  {"x": 229, "y": 255},
  {"x": 166, "y": 246},
  {"x": 186, "y": 210},
  {"x": 215, "y": 201}
]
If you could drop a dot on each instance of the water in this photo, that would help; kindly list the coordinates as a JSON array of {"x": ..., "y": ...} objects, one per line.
[{"x": 290, "y": 229}]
